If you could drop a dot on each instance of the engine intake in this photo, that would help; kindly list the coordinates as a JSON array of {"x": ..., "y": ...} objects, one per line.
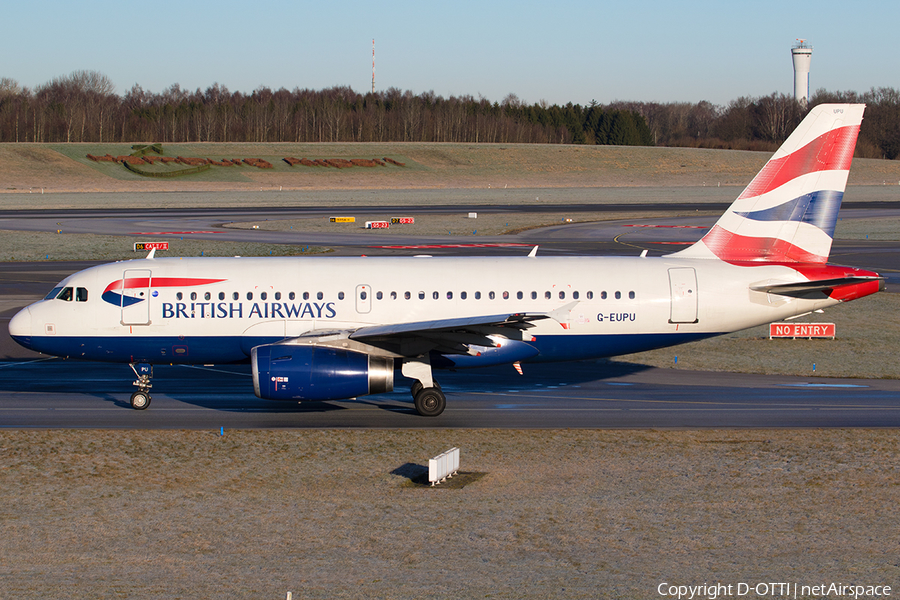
[{"x": 285, "y": 372}]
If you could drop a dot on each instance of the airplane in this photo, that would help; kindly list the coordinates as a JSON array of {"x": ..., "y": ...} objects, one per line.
[{"x": 329, "y": 328}]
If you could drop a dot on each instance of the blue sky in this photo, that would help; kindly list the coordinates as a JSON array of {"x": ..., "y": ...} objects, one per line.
[{"x": 559, "y": 52}]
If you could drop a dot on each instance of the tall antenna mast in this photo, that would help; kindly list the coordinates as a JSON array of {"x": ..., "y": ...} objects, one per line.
[{"x": 373, "y": 65}]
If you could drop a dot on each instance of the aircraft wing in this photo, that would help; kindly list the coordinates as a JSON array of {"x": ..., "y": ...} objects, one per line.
[
  {"x": 511, "y": 320},
  {"x": 446, "y": 336}
]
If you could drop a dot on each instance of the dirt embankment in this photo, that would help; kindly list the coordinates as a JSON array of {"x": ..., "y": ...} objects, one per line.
[{"x": 31, "y": 168}]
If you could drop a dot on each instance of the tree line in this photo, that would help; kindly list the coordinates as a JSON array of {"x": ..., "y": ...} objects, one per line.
[
  {"x": 764, "y": 123},
  {"x": 83, "y": 107}
]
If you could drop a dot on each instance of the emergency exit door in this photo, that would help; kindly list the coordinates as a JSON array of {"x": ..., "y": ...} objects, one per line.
[{"x": 363, "y": 299}]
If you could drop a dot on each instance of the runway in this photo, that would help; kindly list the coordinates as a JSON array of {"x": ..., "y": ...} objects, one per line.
[
  {"x": 40, "y": 392},
  {"x": 57, "y": 393}
]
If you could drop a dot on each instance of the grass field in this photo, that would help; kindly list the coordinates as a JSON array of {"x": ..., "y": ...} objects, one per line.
[
  {"x": 332, "y": 514},
  {"x": 65, "y": 168}
]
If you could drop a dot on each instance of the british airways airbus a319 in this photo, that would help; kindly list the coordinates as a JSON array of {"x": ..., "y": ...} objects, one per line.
[{"x": 327, "y": 328}]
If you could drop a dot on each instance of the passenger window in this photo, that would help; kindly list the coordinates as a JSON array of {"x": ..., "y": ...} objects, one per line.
[
  {"x": 206, "y": 296},
  {"x": 179, "y": 296},
  {"x": 534, "y": 295},
  {"x": 362, "y": 295},
  {"x": 193, "y": 295},
  {"x": 378, "y": 296},
  {"x": 340, "y": 295},
  {"x": 306, "y": 295},
  {"x": 221, "y": 295},
  {"x": 278, "y": 295},
  {"x": 478, "y": 295},
  {"x": 291, "y": 296},
  {"x": 435, "y": 295},
  {"x": 574, "y": 295},
  {"x": 319, "y": 295},
  {"x": 263, "y": 296},
  {"x": 393, "y": 295},
  {"x": 590, "y": 295},
  {"x": 631, "y": 295},
  {"x": 548, "y": 295},
  {"x": 603, "y": 295},
  {"x": 66, "y": 294},
  {"x": 421, "y": 295},
  {"x": 491, "y": 295},
  {"x": 462, "y": 295},
  {"x": 234, "y": 296},
  {"x": 519, "y": 295},
  {"x": 618, "y": 295},
  {"x": 562, "y": 295},
  {"x": 449, "y": 295},
  {"x": 81, "y": 294},
  {"x": 407, "y": 295}
]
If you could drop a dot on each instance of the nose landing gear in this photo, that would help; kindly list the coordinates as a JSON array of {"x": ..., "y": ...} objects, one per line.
[{"x": 141, "y": 398}]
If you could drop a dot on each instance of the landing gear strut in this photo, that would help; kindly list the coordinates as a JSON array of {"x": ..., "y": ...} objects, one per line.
[
  {"x": 426, "y": 392},
  {"x": 141, "y": 398}
]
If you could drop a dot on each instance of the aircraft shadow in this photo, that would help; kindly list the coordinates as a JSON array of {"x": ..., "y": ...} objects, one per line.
[{"x": 228, "y": 388}]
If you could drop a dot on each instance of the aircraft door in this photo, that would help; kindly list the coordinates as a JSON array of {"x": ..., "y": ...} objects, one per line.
[
  {"x": 135, "y": 300},
  {"x": 683, "y": 286},
  {"x": 363, "y": 299}
]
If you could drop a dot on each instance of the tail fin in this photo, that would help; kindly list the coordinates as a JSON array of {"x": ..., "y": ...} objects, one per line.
[{"x": 789, "y": 210}]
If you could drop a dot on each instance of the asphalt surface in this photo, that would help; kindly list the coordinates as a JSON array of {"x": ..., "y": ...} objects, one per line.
[
  {"x": 39, "y": 392},
  {"x": 592, "y": 394}
]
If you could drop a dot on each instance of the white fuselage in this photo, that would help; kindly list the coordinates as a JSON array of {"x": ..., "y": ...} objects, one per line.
[{"x": 204, "y": 310}]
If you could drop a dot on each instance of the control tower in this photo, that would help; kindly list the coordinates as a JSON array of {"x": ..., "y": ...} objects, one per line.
[{"x": 801, "y": 53}]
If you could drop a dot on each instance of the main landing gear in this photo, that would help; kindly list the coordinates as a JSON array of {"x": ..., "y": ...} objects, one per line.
[
  {"x": 429, "y": 401},
  {"x": 426, "y": 392},
  {"x": 141, "y": 398}
]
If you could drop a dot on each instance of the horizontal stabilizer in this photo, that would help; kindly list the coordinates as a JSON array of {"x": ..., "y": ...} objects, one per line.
[{"x": 802, "y": 288}]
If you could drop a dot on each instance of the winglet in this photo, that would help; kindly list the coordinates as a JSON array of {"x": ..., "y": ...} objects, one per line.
[
  {"x": 152, "y": 254},
  {"x": 533, "y": 252}
]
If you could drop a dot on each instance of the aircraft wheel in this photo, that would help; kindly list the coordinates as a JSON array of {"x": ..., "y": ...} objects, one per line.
[
  {"x": 140, "y": 400},
  {"x": 430, "y": 402}
]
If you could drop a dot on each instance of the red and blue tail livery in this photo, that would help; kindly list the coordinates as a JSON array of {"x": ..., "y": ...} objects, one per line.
[
  {"x": 789, "y": 210},
  {"x": 327, "y": 328}
]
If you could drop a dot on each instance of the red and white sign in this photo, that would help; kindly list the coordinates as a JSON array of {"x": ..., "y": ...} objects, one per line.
[
  {"x": 801, "y": 330},
  {"x": 377, "y": 225},
  {"x": 138, "y": 246}
]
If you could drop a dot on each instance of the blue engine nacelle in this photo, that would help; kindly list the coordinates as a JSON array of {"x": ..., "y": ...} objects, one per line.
[{"x": 285, "y": 372}]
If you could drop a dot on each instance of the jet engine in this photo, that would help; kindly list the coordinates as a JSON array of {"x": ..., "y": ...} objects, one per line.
[{"x": 286, "y": 372}]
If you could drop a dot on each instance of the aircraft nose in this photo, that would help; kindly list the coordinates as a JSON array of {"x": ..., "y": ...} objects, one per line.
[{"x": 20, "y": 327}]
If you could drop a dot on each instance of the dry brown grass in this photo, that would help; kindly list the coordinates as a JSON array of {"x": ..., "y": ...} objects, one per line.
[
  {"x": 29, "y": 167},
  {"x": 330, "y": 514}
]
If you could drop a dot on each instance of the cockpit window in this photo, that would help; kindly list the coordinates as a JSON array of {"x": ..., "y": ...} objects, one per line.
[
  {"x": 53, "y": 293},
  {"x": 65, "y": 294},
  {"x": 81, "y": 294}
]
